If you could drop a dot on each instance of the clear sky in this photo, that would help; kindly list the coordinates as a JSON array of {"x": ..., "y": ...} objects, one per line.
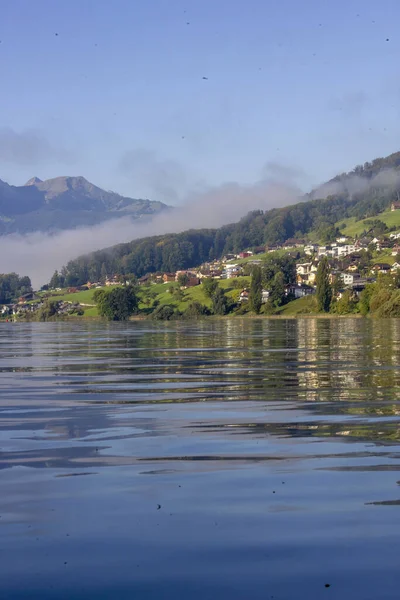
[{"x": 115, "y": 90}]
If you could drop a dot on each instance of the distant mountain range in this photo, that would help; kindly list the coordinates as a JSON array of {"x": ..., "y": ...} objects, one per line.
[{"x": 64, "y": 203}]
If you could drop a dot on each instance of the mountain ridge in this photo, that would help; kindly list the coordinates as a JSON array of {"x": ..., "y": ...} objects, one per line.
[{"x": 65, "y": 202}]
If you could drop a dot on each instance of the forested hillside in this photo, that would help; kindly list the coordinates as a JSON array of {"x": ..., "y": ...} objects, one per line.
[{"x": 364, "y": 192}]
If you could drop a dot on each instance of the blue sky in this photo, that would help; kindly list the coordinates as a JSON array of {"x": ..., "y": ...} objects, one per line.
[{"x": 118, "y": 94}]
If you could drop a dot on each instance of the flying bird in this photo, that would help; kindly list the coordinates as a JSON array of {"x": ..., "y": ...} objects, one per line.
[{"x": 205, "y": 77}]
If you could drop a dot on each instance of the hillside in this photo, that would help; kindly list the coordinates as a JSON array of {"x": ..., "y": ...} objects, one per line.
[
  {"x": 365, "y": 192},
  {"x": 64, "y": 203}
]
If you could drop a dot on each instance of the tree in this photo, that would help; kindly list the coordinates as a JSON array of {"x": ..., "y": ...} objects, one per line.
[
  {"x": 277, "y": 292},
  {"x": 324, "y": 288},
  {"x": 346, "y": 304},
  {"x": 210, "y": 286},
  {"x": 196, "y": 310},
  {"x": 219, "y": 302},
  {"x": 48, "y": 310},
  {"x": 255, "y": 296},
  {"x": 54, "y": 281},
  {"x": 103, "y": 272},
  {"x": 164, "y": 312},
  {"x": 183, "y": 279},
  {"x": 117, "y": 304}
]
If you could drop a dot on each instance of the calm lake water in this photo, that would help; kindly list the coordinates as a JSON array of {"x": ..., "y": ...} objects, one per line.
[{"x": 221, "y": 459}]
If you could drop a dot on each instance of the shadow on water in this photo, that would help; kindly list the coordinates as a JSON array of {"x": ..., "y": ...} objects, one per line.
[{"x": 270, "y": 450}]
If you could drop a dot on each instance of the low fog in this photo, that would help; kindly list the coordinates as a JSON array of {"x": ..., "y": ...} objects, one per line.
[{"x": 39, "y": 255}]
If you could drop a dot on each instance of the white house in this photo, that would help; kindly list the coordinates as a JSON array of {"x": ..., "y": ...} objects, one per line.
[
  {"x": 310, "y": 249},
  {"x": 264, "y": 296},
  {"x": 394, "y": 236},
  {"x": 349, "y": 278},
  {"x": 303, "y": 268},
  {"x": 232, "y": 270}
]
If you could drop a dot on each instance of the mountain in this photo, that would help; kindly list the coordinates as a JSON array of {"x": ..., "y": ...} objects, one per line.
[
  {"x": 364, "y": 192},
  {"x": 64, "y": 203}
]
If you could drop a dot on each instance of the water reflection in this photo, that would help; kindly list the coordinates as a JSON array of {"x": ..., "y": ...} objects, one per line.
[{"x": 241, "y": 427}]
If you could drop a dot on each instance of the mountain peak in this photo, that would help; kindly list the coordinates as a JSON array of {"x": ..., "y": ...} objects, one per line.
[{"x": 34, "y": 181}]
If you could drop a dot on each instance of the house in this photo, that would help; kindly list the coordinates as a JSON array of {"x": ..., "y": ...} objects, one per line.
[
  {"x": 394, "y": 236},
  {"x": 294, "y": 243},
  {"x": 168, "y": 277},
  {"x": 382, "y": 268},
  {"x": 345, "y": 249},
  {"x": 232, "y": 271},
  {"x": 395, "y": 250},
  {"x": 395, "y": 266},
  {"x": 245, "y": 254},
  {"x": 228, "y": 257},
  {"x": 264, "y": 296},
  {"x": 145, "y": 279},
  {"x": 359, "y": 284},
  {"x": 299, "y": 290},
  {"x": 395, "y": 206},
  {"x": 244, "y": 296},
  {"x": 303, "y": 268},
  {"x": 353, "y": 267},
  {"x": 310, "y": 249},
  {"x": 272, "y": 247},
  {"x": 350, "y": 278}
]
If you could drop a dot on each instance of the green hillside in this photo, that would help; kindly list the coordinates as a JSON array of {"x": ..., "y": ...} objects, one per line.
[
  {"x": 349, "y": 199},
  {"x": 158, "y": 293},
  {"x": 352, "y": 227}
]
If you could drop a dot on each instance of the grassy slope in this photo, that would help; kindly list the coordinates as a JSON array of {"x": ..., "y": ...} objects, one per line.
[
  {"x": 302, "y": 306},
  {"x": 194, "y": 294},
  {"x": 353, "y": 227},
  {"x": 160, "y": 292}
]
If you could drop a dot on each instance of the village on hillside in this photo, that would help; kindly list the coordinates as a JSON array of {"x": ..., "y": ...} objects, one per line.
[{"x": 353, "y": 263}]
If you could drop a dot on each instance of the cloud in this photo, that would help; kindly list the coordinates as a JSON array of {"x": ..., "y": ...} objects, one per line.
[
  {"x": 355, "y": 184},
  {"x": 162, "y": 179},
  {"x": 29, "y": 147},
  {"x": 38, "y": 254}
]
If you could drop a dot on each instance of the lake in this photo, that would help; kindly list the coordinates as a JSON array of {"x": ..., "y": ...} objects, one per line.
[{"x": 229, "y": 459}]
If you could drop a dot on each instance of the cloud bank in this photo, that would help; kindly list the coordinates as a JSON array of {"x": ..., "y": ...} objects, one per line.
[{"x": 38, "y": 254}]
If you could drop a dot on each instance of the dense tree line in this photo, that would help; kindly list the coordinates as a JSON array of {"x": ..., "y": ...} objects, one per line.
[{"x": 12, "y": 286}]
